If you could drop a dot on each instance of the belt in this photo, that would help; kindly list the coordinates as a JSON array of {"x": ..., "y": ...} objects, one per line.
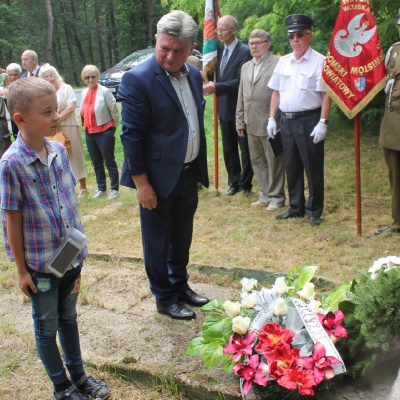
[
  {"x": 300, "y": 114},
  {"x": 188, "y": 165}
]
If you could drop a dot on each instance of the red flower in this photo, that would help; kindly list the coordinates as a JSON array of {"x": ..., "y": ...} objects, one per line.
[
  {"x": 332, "y": 323},
  {"x": 238, "y": 346},
  {"x": 301, "y": 379},
  {"x": 271, "y": 336},
  {"x": 253, "y": 371},
  {"x": 320, "y": 362},
  {"x": 281, "y": 358}
]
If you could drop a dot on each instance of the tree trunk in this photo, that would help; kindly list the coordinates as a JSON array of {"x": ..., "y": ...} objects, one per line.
[
  {"x": 68, "y": 40},
  {"x": 76, "y": 36},
  {"x": 99, "y": 41},
  {"x": 113, "y": 31},
  {"x": 150, "y": 23},
  {"x": 89, "y": 39},
  {"x": 49, "y": 46}
]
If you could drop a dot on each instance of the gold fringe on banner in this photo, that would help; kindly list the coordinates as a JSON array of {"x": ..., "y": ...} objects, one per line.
[{"x": 342, "y": 105}]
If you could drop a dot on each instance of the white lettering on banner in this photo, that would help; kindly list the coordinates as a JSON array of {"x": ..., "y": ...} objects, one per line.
[{"x": 317, "y": 333}]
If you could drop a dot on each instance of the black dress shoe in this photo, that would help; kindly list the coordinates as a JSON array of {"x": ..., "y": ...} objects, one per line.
[
  {"x": 290, "y": 215},
  {"x": 386, "y": 230},
  {"x": 314, "y": 221},
  {"x": 176, "y": 311},
  {"x": 192, "y": 298},
  {"x": 231, "y": 191}
]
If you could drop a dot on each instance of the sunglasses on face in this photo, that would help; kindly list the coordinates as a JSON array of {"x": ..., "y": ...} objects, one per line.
[
  {"x": 89, "y": 77},
  {"x": 299, "y": 35}
]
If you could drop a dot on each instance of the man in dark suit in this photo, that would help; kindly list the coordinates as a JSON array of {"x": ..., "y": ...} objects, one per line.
[
  {"x": 231, "y": 58},
  {"x": 30, "y": 62},
  {"x": 165, "y": 157}
]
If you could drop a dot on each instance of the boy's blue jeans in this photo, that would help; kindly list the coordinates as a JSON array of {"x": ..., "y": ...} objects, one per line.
[{"x": 54, "y": 310}]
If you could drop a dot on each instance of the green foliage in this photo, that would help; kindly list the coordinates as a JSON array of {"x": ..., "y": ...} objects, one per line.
[
  {"x": 372, "y": 321},
  {"x": 216, "y": 331}
]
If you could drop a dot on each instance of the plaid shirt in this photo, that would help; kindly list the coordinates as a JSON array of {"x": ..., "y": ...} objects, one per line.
[{"x": 44, "y": 195}]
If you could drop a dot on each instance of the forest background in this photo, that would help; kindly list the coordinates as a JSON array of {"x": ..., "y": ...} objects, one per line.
[{"x": 72, "y": 33}]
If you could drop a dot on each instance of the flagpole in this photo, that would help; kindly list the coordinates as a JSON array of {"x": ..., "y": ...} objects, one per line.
[
  {"x": 215, "y": 140},
  {"x": 358, "y": 173}
]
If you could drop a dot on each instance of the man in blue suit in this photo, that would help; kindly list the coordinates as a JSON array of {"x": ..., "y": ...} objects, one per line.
[
  {"x": 165, "y": 157},
  {"x": 231, "y": 57}
]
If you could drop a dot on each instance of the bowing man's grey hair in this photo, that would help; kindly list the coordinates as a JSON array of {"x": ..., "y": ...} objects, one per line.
[{"x": 178, "y": 24}]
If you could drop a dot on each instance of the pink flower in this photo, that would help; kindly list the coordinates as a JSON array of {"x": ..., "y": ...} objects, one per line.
[
  {"x": 320, "y": 363},
  {"x": 332, "y": 323},
  {"x": 280, "y": 359},
  {"x": 238, "y": 346},
  {"x": 300, "y": 379},
  {"x": 253, "y": 371},
  {"x": 271, "y": 336}
]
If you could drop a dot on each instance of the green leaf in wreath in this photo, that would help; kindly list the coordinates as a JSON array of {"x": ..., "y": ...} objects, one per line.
[
  {"x": 305, "y": 276},
  {"x": 333, "y": 300},
  {"x": 213, "y": 306},
  {"x": 227, "y": 363},
  {"x": 215, "y": 322},
  {"x": 196, "y": 346},
  {"x": 212, "y": 355}
]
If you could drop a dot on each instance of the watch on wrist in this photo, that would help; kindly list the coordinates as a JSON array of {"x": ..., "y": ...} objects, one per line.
[{"x": 324, "y": 121}]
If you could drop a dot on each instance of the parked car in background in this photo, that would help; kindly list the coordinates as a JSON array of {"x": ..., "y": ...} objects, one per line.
[{"x": 111, "y": 78}]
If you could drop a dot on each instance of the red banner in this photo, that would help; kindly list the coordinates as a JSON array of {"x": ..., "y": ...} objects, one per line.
[{"x": 354, "y": 70}]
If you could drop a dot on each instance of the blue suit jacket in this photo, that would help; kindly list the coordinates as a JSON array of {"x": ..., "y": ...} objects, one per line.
[
  {"x": 155, "y": 129},
  {"x": 227, "y": 88}
]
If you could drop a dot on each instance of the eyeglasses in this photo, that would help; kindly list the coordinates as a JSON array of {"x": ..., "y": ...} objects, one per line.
[
  {"x": 222, "y": 30},
  {"x": 86, "y": 78},
  {"x": 50, "y": 76},
  {"x": 299, "y": 35},
  {"x": 257, "y": 43}
]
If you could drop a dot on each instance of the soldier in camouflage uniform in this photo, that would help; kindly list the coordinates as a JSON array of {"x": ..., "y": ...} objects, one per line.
[{"x": 390, "y": 134}]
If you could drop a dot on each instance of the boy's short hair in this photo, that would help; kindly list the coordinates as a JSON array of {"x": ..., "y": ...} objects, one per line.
[{"x": 23, "y": 92}]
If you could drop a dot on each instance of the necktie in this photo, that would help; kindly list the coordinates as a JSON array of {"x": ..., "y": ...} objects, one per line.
[{"x": 223, "y": 62}]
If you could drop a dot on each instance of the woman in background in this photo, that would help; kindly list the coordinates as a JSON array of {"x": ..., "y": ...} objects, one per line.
[
  {"x": 68, "y": 124},
  {"x": 14, "y": 72},
  {"x": 100, "y": 118}
]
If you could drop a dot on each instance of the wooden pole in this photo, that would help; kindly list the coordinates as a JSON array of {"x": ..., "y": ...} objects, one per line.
[
  {"x": 215, "y": 142},
  {"x": 358, "y": 173}
]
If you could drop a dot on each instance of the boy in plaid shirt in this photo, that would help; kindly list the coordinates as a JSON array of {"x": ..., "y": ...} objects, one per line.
[{"x": 39, "y": 207}]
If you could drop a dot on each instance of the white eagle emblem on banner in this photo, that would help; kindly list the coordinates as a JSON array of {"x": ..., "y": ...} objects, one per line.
[{"x": 348, "y": 43}]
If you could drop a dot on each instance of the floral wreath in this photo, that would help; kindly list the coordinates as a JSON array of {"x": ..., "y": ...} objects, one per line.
[{"x": 279, "y": 336}]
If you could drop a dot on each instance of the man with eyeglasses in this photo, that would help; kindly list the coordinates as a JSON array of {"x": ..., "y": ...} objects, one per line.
[
  {"x": 231, "y": 57},
  {"x": 304, "y": 108},
  {"x": 252, "y": 113}
]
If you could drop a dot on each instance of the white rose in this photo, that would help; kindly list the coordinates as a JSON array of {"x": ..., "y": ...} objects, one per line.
[
  {"x": 307, "y": 292},
  {"x": 248, "y": 300},
  {"x": 248, "y": 284},
  {"x": 240, "y": 324},
  {"x": 280, "y": 308},
  {"x": 315, "y": 305},
  {"x": 280, "y": 285},
  {"x": 232, "y": 308}
]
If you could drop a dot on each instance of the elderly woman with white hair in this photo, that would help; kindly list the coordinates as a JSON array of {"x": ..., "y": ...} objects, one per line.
[
  {"x": 13, "y": 72},
  {"x": 68, "y": 124}
]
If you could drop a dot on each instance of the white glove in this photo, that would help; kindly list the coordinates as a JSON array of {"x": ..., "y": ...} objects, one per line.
[
  {"x": 319, "y": 132},
  {"x": 271, "y": 128}
]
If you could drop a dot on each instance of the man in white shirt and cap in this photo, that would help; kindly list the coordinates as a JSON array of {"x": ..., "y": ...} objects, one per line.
[{"x": 305, "y": 108}]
